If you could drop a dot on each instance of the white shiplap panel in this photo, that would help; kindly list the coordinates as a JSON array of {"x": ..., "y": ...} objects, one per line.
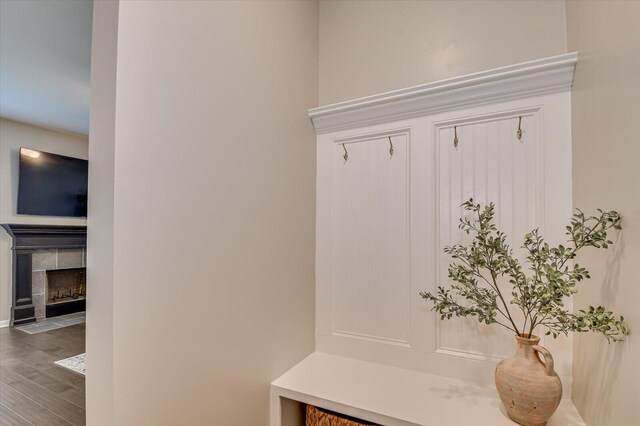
[
  {"x": 489, "y": 165},
  {"x": 370, "y": 291},
  {"x": 355, "y": 318}
]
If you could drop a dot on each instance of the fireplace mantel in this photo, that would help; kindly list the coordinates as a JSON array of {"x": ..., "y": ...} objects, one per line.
[
  {"x": 37, "y": 237},
  {"x": 26, "y": 239}
]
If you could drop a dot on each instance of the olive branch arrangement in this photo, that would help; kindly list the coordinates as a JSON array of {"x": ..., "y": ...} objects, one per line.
[{"x": 539, "y": 294}]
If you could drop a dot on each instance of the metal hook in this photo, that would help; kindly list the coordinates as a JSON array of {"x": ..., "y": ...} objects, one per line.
[
  {"x": 390, "y": 147},
  {"x": 519, "y": 132},
  {"x": 455, "y": 136},
  {"x": 346, "y": 154}
]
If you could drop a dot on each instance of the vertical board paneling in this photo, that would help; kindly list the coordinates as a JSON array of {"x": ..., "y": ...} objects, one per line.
[
  {"x": 489, "y": 165},
  {"x": 383, "y": 222},
  {"x": 370, "y": 244}
]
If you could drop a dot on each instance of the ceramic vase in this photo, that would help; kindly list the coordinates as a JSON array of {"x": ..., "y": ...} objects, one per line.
[{"x": 528, "y": 386}]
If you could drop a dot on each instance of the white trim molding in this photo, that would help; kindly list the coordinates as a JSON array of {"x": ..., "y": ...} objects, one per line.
[
  {"x": 538, "y": 77},
  {"x": 4, "y": 323}
]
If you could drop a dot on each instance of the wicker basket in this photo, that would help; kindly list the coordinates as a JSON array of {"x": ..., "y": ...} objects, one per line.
[{"x": 319, "y": 417}]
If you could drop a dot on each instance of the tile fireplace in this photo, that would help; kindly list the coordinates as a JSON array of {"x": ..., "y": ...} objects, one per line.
[{"x": 48, "y": 275}]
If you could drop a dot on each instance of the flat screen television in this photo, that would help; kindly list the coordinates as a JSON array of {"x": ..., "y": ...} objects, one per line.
[{"x": 51, "y": 184}]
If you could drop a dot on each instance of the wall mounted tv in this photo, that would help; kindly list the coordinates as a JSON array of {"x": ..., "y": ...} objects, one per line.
[{"x": 51, "y": 184}]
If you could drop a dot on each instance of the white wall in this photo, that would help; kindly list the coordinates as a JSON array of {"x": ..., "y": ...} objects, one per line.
[
  {"x": 100, "y": 221},
  {"x": 213, "y": 209},
  {"x": 606, "y": 154},
  {"x": 369, "y": 47},
  {"x": 14, "y": 135}
]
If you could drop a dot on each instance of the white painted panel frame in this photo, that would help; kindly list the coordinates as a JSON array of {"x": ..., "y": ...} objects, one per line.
[
  {"x": 423, "y": 351},
  {"x": 370, "y": 175},
  {"x": 489, "y": 164},
  {"x": 371, "y": 236}
]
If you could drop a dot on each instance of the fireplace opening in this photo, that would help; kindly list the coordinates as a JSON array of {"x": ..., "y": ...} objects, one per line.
[{"x": 66, "y": 291}]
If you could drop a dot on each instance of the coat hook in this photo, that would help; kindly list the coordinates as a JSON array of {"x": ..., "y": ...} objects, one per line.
[
  {"x": 519, "y": 132},
  {"x": 390, "y": 147},
  {"x": 455, "y": 136},
  {"x": 346, "y": 154}
]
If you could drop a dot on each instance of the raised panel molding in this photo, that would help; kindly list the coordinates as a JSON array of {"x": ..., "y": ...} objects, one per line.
[
  {"x": 381, "y": 221},
  {"x": 528, "y": 79},
  {"x": 490, "y": 164},
  {"x": 370, "y": 294}
]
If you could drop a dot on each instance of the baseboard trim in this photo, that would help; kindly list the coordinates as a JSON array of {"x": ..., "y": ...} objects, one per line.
[{"x": 4, "y": 323}]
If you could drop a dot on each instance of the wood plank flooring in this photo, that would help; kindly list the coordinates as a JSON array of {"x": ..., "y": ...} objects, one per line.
[{"x": 33, "y": 390}]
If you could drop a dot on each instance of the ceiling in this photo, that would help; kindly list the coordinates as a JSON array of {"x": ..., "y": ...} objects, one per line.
[{"x": 45, "y": 58}]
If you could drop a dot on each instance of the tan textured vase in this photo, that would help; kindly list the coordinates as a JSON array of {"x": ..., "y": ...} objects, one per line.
[{"x": 529, "y": 388}]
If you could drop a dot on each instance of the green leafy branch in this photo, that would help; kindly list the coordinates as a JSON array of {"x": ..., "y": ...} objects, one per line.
[{"x": 539, "y": 294}]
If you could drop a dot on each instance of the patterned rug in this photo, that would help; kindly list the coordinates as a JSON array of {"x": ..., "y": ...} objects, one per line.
[{"x": 73, "y": 363}]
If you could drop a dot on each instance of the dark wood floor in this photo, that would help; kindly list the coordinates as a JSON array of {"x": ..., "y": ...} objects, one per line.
[{"x": 35, "y": 391}]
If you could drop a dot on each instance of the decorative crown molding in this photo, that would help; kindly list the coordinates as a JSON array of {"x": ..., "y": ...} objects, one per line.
[{"x": 542, "y": 76}]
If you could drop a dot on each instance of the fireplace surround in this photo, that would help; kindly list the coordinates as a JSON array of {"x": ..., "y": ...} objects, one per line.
[{"x": 38, "y": 251}]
